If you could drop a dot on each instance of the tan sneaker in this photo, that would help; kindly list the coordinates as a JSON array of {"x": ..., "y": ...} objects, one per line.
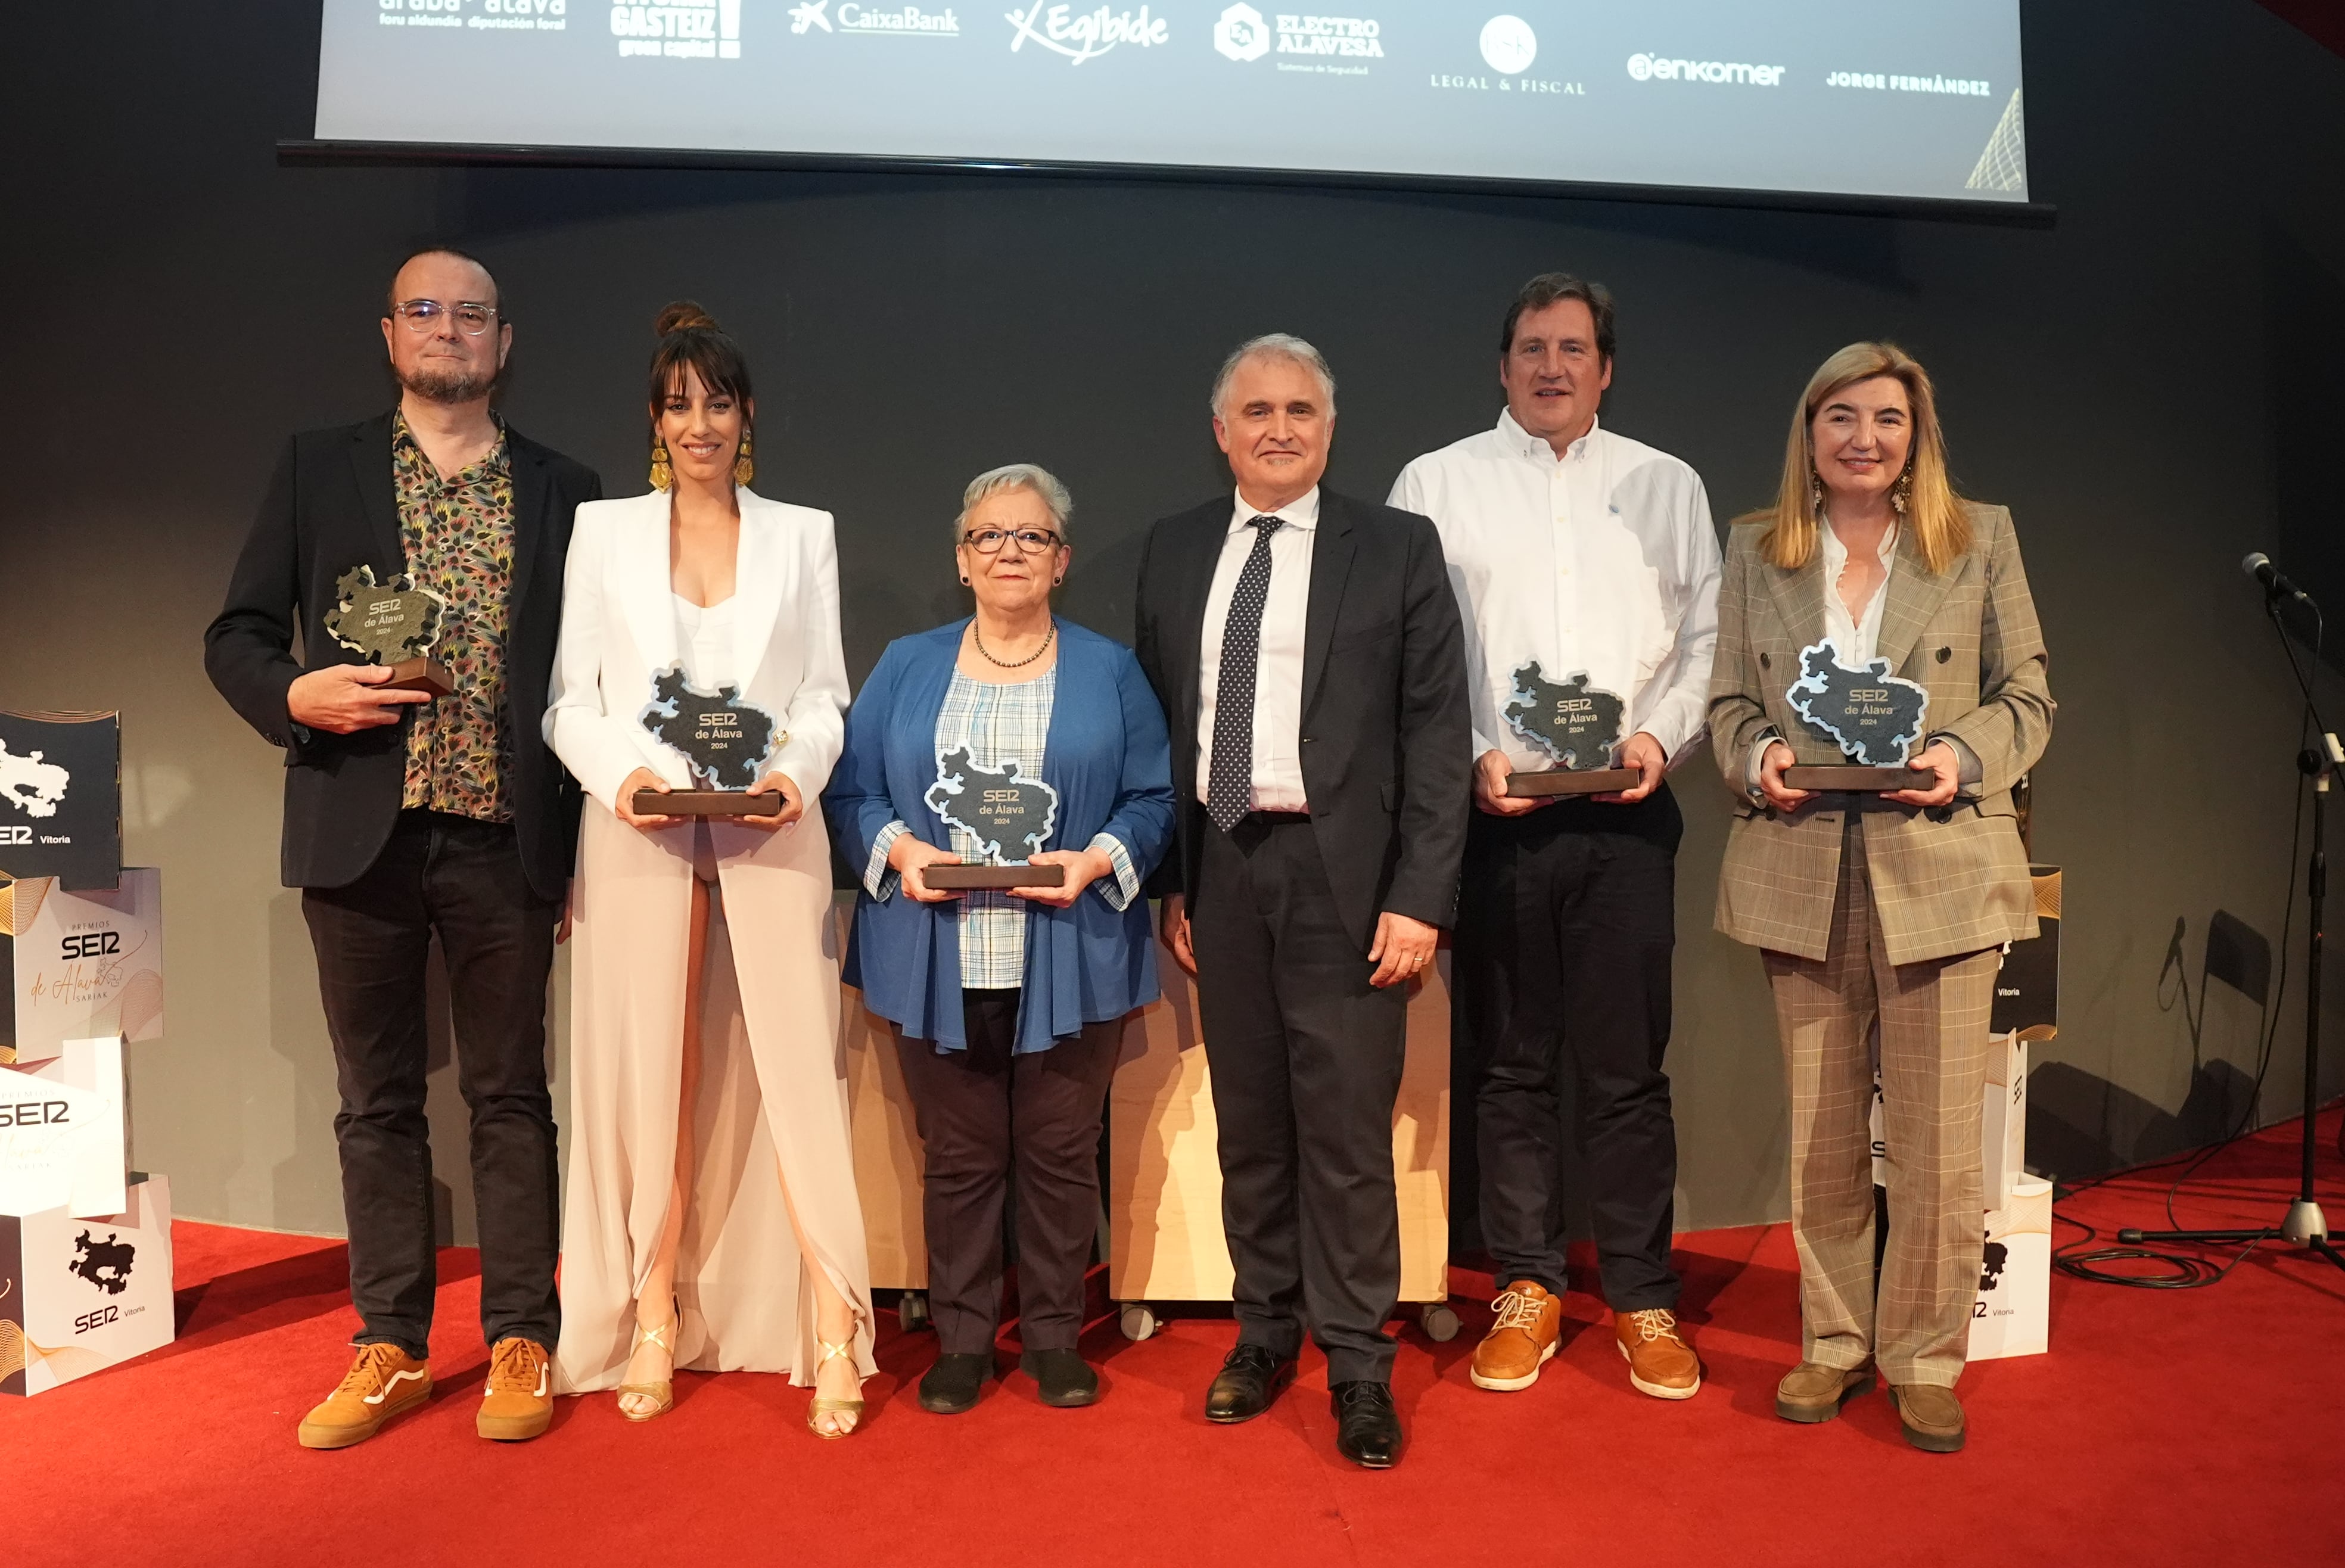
[
  {"x": 1660, "y": 1363},
  {"x": 518, "y": 1402},
  {"x": 383, "y": 1382},
  {"x": 1813, "y": 1391},
  {"x": 1931, "y": 1415},
  {"x": 1521, "y": 1338}
]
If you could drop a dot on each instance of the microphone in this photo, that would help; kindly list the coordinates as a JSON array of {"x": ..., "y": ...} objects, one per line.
[{"x": 2259, "y": 566}]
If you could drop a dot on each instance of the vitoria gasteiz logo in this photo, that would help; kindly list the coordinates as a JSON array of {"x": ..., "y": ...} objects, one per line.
[
  {"x": 679, "y": 29},
  {"x": 1086, "y": 35}
]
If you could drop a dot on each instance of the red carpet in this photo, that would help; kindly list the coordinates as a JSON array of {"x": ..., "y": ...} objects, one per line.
[{"x": 2193, "y": 1427}]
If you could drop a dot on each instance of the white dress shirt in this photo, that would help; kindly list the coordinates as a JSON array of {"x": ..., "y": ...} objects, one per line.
[
  {"x": 1278, "y": 671},
  {"x": 1856, "y": 636},
  {"x": 1601, "y": 561}
]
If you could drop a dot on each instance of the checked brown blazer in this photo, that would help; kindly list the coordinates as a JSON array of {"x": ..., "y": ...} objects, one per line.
[{"x": 1946, "y": 880}]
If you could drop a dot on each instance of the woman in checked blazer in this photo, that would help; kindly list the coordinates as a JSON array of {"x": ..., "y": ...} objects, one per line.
[
  {"x": 712, "y": 1220},
  {"x": 1879, "y": 908}
]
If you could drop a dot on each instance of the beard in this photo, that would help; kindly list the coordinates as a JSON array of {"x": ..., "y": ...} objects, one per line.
[{"x": 448, "y": 385}]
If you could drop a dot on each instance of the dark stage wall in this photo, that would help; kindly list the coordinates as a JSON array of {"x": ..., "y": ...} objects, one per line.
[{"x": 2148, "y": 385}]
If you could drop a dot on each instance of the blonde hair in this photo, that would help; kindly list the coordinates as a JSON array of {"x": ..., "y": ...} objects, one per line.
[{"x": 1942, "y": 529}]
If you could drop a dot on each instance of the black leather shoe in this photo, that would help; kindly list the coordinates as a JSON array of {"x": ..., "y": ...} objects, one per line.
[
  {"x": 1249, "y": 1379},
  {"x": 1367, "y": 1427},
  {"x": 1065, "y": 1378},
  {"x": 952, "y": 1385}
]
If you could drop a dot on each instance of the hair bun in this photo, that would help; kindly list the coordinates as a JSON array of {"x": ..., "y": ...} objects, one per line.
[{"x": 684, "y": 316}]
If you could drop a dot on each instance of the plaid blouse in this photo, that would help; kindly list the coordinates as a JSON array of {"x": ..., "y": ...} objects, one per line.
[
  {"x": 458, "y": 537},
  {"x": 997, "y": 723}
]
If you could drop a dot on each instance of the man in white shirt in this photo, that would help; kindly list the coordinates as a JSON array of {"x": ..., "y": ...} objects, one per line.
[
  {"x": 1592, "y": 556},
  {"x": 1307, "y": 649}
]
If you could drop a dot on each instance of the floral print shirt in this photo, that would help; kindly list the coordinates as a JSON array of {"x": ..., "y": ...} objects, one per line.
[{"x": 457, "y": 534}]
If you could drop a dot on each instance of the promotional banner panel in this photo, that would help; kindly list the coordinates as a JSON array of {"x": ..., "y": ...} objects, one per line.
[
  {"x": 78, "y": 965},
  {"x": 77, "y": 1296},
  {"x": 1919, "y": 102}
]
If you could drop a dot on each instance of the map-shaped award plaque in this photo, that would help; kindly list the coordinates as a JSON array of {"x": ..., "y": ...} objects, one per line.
[
  {"x": 722, "y": 739},
  {"x": 393, "y": 624},
  {"x": 1872, "y": 716},
  {"x": 1009, "y": 815},
  {"x": 1577, "y": 724}
]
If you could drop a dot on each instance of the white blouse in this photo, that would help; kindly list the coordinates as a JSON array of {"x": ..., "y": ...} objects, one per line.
[
  {"x": 703, "y": 635},
  {"x": 1856, "y": 636}
]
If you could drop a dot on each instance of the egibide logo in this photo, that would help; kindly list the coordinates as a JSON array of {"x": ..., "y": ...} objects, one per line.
[{"x": 1084, "y": 34}]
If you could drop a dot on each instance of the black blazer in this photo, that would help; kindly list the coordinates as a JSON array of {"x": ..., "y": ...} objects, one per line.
[
  {"x": 330, "y": 507},
  {"x": 1386, "y": 744}
]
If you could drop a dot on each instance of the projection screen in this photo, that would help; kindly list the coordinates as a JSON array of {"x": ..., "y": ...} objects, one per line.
[{"x": 1915, "y": 102}]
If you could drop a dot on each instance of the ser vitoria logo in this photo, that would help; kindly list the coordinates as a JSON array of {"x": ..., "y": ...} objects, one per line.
[
  {"x": 679, "y": 30},
  {"x": 1082, "y": 35}
]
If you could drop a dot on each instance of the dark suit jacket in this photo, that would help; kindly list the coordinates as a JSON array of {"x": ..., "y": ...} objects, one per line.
[
  {"x": 1386, "y": 744},
  {"x": 330, "y": 507}
]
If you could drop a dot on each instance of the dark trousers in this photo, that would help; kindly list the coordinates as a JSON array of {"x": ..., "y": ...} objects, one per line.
[
  {"x": 1565, "y": 925},
  {"x": 981, "y": 1112},
  {"x": 462, "y": 881},
  {"x": 1306, "y": 1062}
]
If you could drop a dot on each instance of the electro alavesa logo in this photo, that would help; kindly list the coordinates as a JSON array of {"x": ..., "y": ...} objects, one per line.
[
  {"x": 1242, "y": 34},
  {"x": 1085, "y": 36}
]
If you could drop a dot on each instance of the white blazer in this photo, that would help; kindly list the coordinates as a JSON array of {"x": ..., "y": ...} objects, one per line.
[{"x": 618, "y": 631}]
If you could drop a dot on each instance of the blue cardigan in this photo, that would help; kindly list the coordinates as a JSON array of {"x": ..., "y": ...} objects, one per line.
[{"x": 1107, "y": 756}]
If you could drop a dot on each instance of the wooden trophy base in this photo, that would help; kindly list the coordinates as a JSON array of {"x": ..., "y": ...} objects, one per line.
[
  {"x": 1848, "y": 778},
  {"x": 707, "y": 803},
  {"x": 420, "y": 676},
  {"x": 948, "y": 878},
  {"x": 1572, "y": 780}
]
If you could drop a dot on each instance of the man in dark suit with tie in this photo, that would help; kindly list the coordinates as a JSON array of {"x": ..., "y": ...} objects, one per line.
[
  {"x": 1307, "y": 650},
  {"x": 410, "y": 816}
]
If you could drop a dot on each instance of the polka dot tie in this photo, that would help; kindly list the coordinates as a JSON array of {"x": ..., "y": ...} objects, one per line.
[{"x": 1229, "y": 789}]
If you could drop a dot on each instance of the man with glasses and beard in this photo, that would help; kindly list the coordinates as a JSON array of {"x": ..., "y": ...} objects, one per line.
[{"x": 410, "y": 816}]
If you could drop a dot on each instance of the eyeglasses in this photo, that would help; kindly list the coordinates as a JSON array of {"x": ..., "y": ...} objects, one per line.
[
  {"x": 472, "y": 317},
  {"x": 1031, "y": 541}
]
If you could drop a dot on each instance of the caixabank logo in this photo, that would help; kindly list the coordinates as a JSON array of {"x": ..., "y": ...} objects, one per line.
[
  {"x": 892, "y": 21},
  {"x": 679, "y": 30}
]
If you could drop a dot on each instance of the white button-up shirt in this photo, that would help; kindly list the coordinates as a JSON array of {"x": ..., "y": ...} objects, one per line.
[
  {"x": 1602, "y": 560},
  {"x": 1278, "y": 671}
]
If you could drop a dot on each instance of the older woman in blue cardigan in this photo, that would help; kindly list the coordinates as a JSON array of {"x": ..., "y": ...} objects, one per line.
[{"x": 1008, "y": 1005}]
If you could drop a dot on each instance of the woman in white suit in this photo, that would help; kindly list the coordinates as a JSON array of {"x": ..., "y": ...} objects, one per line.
[{"x": 712, "y": 1221}]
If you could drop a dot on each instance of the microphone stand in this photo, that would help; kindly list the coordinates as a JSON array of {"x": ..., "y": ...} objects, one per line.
[{"x": 2305, "y": 1225}]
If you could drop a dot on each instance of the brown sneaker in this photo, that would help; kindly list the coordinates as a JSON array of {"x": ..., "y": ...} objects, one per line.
[
  {"x": 1813, "y": 1392},
  {"x": 1931, "y": 1415},
  {"x": 518, "y": 1402},
  {"x": 1521, "y": 1338},
  {"x": 383, "y": 1382},
  {"x": 1660, "y": 1362}
]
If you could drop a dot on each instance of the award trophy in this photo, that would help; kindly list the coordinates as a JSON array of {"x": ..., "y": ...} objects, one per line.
[
  {"x": 1871, "y": 715},
  {"x": 1005, "y": 812},
  {"x": 392, "y": 624},
  {"x": 1575, "y": 724},
  {"x": 722, "y": 739}
]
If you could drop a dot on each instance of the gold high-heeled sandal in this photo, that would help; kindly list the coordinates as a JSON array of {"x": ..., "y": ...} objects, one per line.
[
  {"x": 662, "y": 1392},
  {"x": 819, "y": 1407}
]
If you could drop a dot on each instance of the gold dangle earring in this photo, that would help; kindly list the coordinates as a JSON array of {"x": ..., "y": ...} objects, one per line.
[
  {"x": 1902, "y": 490},
  {"x": 745, "y": 467},
  {"x": 1815, "y": 493},
  {"x": 662, "y": 475}
]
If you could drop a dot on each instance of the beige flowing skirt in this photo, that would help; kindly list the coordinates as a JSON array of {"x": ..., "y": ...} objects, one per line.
[{"x": 771, "y": 1085}]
